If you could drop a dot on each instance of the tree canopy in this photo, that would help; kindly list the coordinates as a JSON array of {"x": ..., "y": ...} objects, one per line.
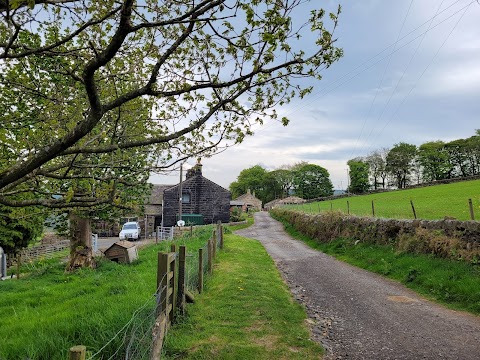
[
  {"x": 94, "y": 95},
  {"x": 302, "y": 179},
  {"x": 358, "y": 173},
  {"x": 312, "y": 181}
]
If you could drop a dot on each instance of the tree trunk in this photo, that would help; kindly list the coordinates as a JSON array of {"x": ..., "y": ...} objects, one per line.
[{"x": 81, "y": 252}]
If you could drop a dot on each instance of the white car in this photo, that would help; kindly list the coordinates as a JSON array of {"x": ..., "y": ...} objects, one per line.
[{"x": 130, "y": 231}]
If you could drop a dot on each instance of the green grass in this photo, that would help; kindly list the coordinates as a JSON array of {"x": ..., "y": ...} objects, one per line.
[
  {"x": 455, "y": 284},
  {"x": 431, "y": 203},
  {"x": 47, "y": 311},
  {"x": 247, "y": 312}
]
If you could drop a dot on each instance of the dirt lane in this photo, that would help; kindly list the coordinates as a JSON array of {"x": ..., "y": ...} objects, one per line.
[{"x": 360, "y": 315}]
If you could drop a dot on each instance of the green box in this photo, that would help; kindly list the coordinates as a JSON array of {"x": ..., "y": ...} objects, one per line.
[{"x": 192, "y": 219}]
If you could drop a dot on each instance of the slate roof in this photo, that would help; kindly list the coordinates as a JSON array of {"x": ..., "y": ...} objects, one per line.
[{"x": 156, "y": 194}]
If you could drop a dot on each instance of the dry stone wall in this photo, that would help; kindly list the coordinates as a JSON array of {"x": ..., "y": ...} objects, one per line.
[{"x": 442, "y": 238}]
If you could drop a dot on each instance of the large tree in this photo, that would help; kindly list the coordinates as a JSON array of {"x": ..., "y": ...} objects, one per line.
[
  {"x": 284, "y": 178},
  {"x": 312, "y": 181},
  {"x": 435, "y": 161},
  {"x": 400, "y": 161},
  {"x": 256, "y": 179},
  {"x": 377, "y": 162},
  {"x": 358, "y": 173},
  {"x": 93, "y": 94}
]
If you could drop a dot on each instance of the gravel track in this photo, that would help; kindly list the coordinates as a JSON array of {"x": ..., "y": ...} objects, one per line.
[{"x": 356, "y": 314}]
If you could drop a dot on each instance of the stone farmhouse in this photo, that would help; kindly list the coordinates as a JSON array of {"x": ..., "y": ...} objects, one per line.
[
  {"x": 201, "y": 199},
  {"x": 247, "y": 201}
]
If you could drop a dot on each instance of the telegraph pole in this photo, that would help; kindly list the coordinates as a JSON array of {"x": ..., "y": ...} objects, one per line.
[{"x": 180, "y": 191}]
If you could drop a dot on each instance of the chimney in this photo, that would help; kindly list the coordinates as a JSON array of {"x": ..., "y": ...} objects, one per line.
[
  {"x": 253, "y": 193},
  {"x": 196, "y": 170},
  {"x": 248, "y": 191}
]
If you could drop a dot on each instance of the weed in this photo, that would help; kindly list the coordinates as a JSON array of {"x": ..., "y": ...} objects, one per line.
[{"x": 411, "y": 275}]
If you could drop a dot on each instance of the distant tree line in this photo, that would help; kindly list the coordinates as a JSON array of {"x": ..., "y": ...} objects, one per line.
[
  {"x": 305, "y": 180},
  {"x": 406, "y": 164}
]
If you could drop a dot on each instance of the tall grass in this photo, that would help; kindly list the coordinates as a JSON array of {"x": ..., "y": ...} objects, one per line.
[
  {"x": 48, "y": 311},
  {"x": 431, "y": 203}
]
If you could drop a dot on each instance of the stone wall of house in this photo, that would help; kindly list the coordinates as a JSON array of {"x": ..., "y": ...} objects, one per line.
[
  {"x": 206, "y": 198},
  {"x": 443, "y": 238}
]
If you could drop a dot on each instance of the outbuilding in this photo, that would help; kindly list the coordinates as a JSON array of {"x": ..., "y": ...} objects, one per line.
[{"x": 123, "y": 252}]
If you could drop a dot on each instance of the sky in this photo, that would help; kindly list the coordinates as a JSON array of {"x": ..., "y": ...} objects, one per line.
[{"x": 410, "y": 73}]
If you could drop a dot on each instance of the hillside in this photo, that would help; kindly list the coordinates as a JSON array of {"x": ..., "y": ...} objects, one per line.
[{"x": 432, "y": 202}]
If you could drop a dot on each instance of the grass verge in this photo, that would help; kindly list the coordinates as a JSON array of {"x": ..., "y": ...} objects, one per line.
[
  {"x": 455, "y": 284},
  {"x": 247, "y": 312}
]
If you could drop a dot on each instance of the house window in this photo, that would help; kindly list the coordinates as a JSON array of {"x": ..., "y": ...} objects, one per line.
[{"x": 186, "y": 198}]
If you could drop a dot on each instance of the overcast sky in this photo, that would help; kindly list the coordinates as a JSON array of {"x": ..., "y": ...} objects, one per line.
[{"x": 383, "y": 91}]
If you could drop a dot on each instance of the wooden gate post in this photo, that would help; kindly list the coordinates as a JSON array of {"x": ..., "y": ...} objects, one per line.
[
  {"x": 166, "y": 284},
  {"x": 200, "y": 270},
  {"x": 77, "y": 352},
  {"x": 181, "y": 279}
]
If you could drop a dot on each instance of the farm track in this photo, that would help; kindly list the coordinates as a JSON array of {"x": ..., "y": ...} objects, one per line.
[{"x": 356, "y": 314}]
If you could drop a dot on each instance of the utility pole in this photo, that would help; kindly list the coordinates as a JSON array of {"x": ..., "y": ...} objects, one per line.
[
  {"x": 180, "y": 195},
  {"x": 348, "y": 182}
]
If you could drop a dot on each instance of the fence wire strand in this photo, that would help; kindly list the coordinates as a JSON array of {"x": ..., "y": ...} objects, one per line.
[{"x": 137, "y": 335}]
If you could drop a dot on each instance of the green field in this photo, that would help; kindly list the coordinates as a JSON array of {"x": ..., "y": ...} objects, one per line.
[{"x": 431, "y": 202}]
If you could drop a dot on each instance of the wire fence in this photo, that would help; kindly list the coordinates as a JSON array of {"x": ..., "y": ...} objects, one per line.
[{"x": 136, "y": 339}]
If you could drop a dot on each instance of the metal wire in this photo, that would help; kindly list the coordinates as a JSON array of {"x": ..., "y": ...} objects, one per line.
[{"x": 137, "y": 334}]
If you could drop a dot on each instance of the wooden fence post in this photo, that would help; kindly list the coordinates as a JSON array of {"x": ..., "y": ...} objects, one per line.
[
  {"x": 331, "y": 206},
  {"x": 348, "y": 207},
  {"x": 156, "y": 235},
  {"x": 214, "y": 242},
  {"x": 210, "y": 263},
  {"x": 373, "y": 209},
  {"x": 220, "y": 233},
  {"x": 470, "y": 204},
  {"x": 413, "y": 209},
  {"x": 173, "y": 248},
  {"x": 181, "y": 279},
  {"x": 77, "y": 352},
  {"x": 200, "y": 270}
]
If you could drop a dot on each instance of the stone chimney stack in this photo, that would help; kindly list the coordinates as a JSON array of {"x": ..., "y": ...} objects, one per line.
[
  {"x": 248, "y": 191},
  {"x": 196, "y": 170}
]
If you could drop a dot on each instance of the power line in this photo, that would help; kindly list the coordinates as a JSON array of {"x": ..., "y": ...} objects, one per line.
[
  {"x": 317, "y": 95},
  {"x": 403, "y": 73},
  {"x": 381, "y": 81},
  {"x": 424, "y": 71}
]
